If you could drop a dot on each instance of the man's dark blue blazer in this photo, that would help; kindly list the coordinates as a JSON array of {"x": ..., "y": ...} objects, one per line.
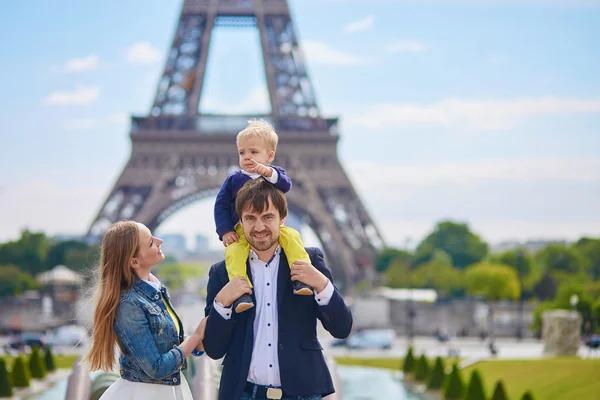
[{"x": 302, "y": 367}]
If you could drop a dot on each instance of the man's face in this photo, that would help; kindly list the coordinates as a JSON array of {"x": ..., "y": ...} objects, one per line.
[{"x": 262, "y": 229}]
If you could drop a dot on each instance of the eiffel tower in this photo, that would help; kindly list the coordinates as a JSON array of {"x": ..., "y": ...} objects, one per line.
[{"x": 180, "y": 155}]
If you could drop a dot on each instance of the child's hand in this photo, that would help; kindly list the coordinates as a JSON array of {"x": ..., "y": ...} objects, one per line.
[
  {"x": 229, "y": 238},
  {"x": 260, "y": 169}
]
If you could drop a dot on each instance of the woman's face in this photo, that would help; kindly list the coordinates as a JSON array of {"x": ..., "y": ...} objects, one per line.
[{"x": 149, "y": 253}]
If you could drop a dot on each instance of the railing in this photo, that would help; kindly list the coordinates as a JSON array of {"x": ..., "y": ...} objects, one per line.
[{"x": 227, "y": 124}]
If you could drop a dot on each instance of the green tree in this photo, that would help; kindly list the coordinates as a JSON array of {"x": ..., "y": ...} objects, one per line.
[
  {"x": 475, "y": 389},
  {"x": 558, "y": 260},
  {"x": 422, "y": 368},
  {"x": 568, "y": 289},
  {"x": 5, "y": 385},
  {"x": 589, "y": 252},
  {"x": 527, "y": 396},
  {"x": 499, "y": 392},
  {"x": 20, "y": 377},
  {"x": 386, "y": 256},
  {"x": 28, "y": 253},
  {"x": 493, "y": 282},
  {"x": 545, "y": 289},
  {"x": 13, "y": 281},
  {"x": 439, "y": 274},
  {"x": 76, "y": 255},
  {"x": 36, "y": 364},
  {"x": 436, "y": 379},
  {"x": 454, "y": 387},
  {"x": 398, "y": 275},
  {"x": 49, "y": 361},
  {"x": 409, "y": 362},
  {"x": 463, "y": 246}
]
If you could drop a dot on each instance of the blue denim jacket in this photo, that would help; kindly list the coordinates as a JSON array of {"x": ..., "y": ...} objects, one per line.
[{"x": 148, "y": 336}]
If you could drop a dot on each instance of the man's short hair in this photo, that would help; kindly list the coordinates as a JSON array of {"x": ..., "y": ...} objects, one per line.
[
  {"x": 260, "y": 128},
  {"x": 255, "y": 195}
]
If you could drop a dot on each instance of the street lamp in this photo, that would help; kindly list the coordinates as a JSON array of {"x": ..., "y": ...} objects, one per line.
[{"x": 574, "y": 300}]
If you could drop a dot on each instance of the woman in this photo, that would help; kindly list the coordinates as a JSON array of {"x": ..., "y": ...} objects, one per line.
[{"x": 134, "y": 311}]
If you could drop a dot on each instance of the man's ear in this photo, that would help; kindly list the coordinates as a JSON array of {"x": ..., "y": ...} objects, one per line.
[{"x": 283, "y": 220}]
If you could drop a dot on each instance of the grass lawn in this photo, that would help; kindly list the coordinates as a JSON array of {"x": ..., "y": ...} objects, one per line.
[
  {"x": 62, "y": 361},
  {"x": 547, "y": 379},
  {"x": 389, "y": 363},
  {"x": 561, "y": 378}
]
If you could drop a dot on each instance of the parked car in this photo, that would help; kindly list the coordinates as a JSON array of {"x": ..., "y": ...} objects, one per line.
[
  {"x": 26, "y": 339},
  {"x": 593, "y": 342},
  {"x": 372, "y": 339},
  {"x": 68, "y": 335}
]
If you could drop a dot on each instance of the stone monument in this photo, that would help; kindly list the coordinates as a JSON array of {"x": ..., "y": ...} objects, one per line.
[{"x": 561, "y": 332}]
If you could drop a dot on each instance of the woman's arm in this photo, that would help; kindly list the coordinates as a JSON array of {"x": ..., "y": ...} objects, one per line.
[{"x": 133, "y": 331}]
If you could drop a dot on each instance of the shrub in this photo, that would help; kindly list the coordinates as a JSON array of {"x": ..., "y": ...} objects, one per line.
[
  {"x": 49, "y": 361},
  {"x": 422, "y": 368},
  {"x": 20, "y": 376},
  {"x": 5, "y": 386},
  {"x": 454, "y": 386},
  {"x": 475, "y": 390},
  {"x": 527, "y": 396},
  {"x": 409, "y": 362},
  {"x": 36, "y": 364},
  {"x": 499, "y": 392},
  {"x": 436, "y": 379}
]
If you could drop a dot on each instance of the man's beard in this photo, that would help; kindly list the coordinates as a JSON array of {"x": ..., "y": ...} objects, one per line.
[{"x": 263, "y": 244}]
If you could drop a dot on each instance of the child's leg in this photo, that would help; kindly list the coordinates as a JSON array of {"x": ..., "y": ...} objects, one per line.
[
  {"x": 291, "y": 243},
  {"x": 236, "y": 255}
]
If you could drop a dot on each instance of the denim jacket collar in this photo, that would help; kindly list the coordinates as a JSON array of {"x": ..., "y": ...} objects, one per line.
[{"x": 144, "y": 288}]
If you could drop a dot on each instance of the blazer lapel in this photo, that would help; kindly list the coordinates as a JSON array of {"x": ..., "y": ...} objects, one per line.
[{"x": 283, "y": 278}]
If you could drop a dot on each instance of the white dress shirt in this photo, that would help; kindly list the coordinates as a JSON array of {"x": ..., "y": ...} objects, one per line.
[{"x": 264, "y": 365}]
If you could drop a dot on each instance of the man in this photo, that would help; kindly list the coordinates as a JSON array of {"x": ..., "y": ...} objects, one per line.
[{"x": 272, "y": 350}]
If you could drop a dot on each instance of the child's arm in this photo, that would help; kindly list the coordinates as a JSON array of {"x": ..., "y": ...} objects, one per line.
[
  {"x": 283, "y": 183},
  {"x": 274, "y": 174},
  {"x": 223, "y": 202}
]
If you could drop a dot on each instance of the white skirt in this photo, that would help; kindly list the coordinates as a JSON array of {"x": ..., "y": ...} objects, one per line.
[{"x": 123, "y": 389}]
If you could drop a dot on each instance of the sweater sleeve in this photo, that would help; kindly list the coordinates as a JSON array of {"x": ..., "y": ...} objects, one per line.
[
  {"x": 284, "y": 183},
  {"x": 223, "y": 203}
]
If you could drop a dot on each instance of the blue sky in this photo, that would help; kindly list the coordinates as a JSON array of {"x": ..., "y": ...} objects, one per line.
[{"x": 482, "y": 111}]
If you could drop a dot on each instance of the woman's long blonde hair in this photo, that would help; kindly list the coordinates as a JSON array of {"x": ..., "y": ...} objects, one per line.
[{"x": 119, "y": 246}]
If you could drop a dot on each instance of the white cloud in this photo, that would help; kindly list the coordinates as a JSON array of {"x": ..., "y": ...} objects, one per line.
[
  {"x": 79, "y": 124},
  {"x": 365, "y": 24},
  {"x": 81, "y": 96},
  {"x": 490, "y": 114},
  {"x": 322, "y": 54},
  {"x": 374, "y": 175},
  {"x": 406, "y": 46},
  {"x": 142, "y": 53},
  {"x": 46, "y": 206},
  {"x": 88, "y": 63},
  {"x": 118, "y": 118}
]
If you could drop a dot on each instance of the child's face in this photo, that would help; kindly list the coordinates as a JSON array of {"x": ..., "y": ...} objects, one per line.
[{"x": 254, "y": 148}]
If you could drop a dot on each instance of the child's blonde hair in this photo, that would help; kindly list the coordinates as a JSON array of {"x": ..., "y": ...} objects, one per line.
[{"x": 260, "y": 128}]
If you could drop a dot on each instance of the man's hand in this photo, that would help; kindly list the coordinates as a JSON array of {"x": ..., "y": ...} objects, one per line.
[
  {"x": 306, "y": 273},
  {"x": 260, "y": 169},
  {"x": 233, "y": 290},
  {"x": 229, "y": 238}
]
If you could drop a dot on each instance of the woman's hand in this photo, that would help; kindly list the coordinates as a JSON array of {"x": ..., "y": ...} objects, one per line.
[
  {"x": 195, "y": 340},
  {"x": 200, "y": 330}
]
